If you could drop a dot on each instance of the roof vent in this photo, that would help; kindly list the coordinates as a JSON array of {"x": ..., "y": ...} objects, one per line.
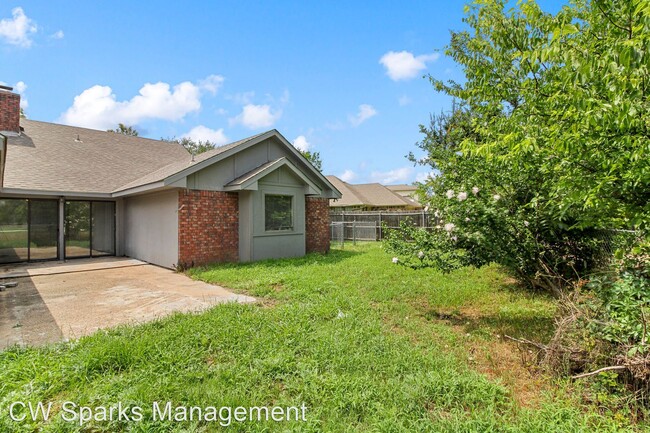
[{"x": 78, "y": 140}]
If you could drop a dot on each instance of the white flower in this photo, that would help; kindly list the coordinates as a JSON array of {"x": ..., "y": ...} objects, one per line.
[
  {"x": 475, "y": 190},
  {"x": 421, "y": 255},
  {"x": 450, "y": 194},
  {"x": 426, "y": 208},
  {"x": 467, "y": 219},
  {"x": 526, "y": 223},
  {"x": 449, "y": 227},
  {"x": 395, "y": 260},
  {"x": 454, "y": 238},
  {"x": 462, "y": 196},
  {"x": 436, "y": 214},
  {"x": 496, "y": 197}
]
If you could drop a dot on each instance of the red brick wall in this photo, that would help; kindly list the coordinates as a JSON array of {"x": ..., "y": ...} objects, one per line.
[
  {"x": 9, "y": 111},
  {"x": 208, "y": 227},
  {"x": 317, "y": 224}
]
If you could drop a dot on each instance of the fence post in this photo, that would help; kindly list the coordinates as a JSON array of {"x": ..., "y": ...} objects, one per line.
[
  {"x": 381, "y": 234},
  {"x": 354, "y": 232}
]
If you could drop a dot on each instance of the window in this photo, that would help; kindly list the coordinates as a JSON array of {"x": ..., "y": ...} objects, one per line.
[{"x": 278, "y": 212}]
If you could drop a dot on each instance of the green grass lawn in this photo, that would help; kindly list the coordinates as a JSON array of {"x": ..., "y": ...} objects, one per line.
[{"x": 367, "y": 345}]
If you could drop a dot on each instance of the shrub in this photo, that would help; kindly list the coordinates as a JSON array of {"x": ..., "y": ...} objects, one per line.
[{"x": 492, "y": 211}]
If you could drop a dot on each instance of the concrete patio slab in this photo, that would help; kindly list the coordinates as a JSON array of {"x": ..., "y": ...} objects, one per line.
[{"x": 68, "y": 300}]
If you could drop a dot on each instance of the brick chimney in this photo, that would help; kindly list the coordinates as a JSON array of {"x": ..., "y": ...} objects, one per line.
[{"x": 9, "y": 110}]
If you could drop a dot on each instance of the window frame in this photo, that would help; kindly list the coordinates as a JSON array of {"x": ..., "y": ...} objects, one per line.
[{"x": 291, "y": 213}]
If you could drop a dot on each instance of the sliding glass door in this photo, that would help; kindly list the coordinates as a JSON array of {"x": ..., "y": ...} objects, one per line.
[
  {"x": 43, "y": 229},
  {"x": 89, "y": 229},
  {"x": 77, "y": 229},
  {"x": 29, "y": 230},
  {"x": 14, "y": 230},
  {"x": 103, "y": 228}
]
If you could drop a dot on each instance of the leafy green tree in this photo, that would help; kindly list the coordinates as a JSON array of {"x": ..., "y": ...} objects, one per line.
[
  {"x": 192, "y": 146},
  {"x": 552, "y": 134},
  {"x": 314, "y": 158},
  {"x": 22, "y": 114},
  {"x": 567, "y": 93},
  {"x": 125, "y": 130}
]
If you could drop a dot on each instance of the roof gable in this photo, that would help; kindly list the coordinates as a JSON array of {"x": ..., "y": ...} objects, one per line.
[{"x": 249, "y": 180}]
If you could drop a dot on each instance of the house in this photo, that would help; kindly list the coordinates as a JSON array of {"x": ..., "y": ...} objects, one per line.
[
  {"x": 409, "y": 191},
  {"x": 70, "y": 192},
  {"x": 370, "y": 197}
]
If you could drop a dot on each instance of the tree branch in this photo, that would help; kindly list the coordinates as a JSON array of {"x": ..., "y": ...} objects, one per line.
[{"x": 604, "y": 369}]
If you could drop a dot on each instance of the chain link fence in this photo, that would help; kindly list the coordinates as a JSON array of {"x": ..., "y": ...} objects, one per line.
[{"x": 369, "y": 226}]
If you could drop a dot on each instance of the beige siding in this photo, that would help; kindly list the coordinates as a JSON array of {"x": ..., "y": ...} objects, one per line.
[{"x": 151, "y": 228}]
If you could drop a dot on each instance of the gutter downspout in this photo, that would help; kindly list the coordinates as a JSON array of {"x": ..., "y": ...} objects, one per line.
[{"x": 3, "y": 157}]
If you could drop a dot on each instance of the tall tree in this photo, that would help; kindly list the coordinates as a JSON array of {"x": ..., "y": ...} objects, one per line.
[
  {"x": 551, "y": 141},
  {"x": 192, "y": 146},
  {"x": 314, "y": 158},
  {"x": 125, "y": 130},
  {"x": 567, "y": 92}
]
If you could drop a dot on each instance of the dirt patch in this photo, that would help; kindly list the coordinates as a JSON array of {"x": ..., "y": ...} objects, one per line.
[{"x": 496, "y": 357}]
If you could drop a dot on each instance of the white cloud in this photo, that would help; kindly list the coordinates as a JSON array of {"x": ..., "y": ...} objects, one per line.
[
  {"x": 365, "y": 112},
  {"x": 256, "y": 116},
  {"x": 212, "y": 83},
  {"x": 301, "y": 143},
  {"x": 243, "y": 98},
  {"x": 399, "y": 175},
  {"x": 98, "y": 107},
  {"x": 203, "y": 133},
  {"x": 20, "y": 88},
  {"x": 423, "y": 177},
  {"x": 57, "y": 35},
  {"x": 403, "y": 65},
  {"x": 404, "y": 100},
  {"x": 348, "y": 176},
  {"x": 18, "y": 29}
]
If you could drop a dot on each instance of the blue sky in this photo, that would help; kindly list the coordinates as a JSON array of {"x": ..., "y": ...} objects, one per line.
[{"x": 341, "y": 78}]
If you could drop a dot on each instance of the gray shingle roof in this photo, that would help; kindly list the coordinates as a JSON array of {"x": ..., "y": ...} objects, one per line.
[
  {"x": 51, "y": 157},
  {"x": 402, "y": 187},
  {"x": 368, "y": 194}
]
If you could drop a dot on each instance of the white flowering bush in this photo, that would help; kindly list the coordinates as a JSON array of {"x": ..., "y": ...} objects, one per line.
[{"x": 504, "y": 220}]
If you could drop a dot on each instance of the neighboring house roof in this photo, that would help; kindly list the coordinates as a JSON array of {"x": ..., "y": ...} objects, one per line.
[
  {"x": 402, "y": 187},
  {"x": 368, "y": 195},
  {"x": 51, "y": 158}
]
